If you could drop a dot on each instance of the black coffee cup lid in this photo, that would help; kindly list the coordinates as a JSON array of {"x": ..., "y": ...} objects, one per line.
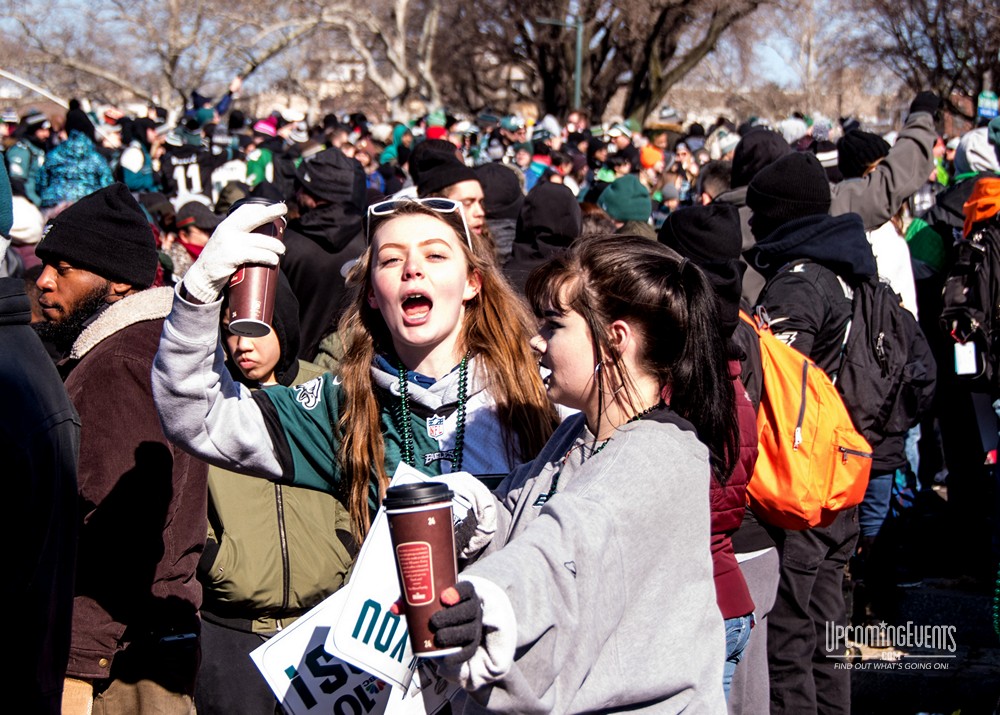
[
  {"x": 251, "y": 200},
  {"x": 418, "y": 494}
]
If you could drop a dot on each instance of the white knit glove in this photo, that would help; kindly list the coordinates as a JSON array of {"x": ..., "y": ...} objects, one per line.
[{"x": 232, "y": 244}]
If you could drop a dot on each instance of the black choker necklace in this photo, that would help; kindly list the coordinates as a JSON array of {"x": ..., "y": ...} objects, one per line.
[
  {"x": 645, "y": 413},
  {"x": 406, "y": 429}
]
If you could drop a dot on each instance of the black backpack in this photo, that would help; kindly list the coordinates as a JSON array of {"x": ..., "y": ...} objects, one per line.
[
  {"x": 887, "y": 372},
  {"x": 972, "y": 303}
]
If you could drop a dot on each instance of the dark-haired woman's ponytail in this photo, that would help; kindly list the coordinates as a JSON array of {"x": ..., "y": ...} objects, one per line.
[{"x": 702, "y": 390}]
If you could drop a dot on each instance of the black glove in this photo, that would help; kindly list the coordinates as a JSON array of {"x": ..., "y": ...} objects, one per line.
[
  {"x": 926, "y": 102},
  {"x": 460, "y": 623}
]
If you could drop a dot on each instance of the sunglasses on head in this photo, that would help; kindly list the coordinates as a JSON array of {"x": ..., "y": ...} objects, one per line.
[{"x": 436, "y": 204}]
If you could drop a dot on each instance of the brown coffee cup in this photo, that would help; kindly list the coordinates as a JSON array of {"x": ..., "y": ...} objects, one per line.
[
  {"x": 253, "y": 286},
  {"x": 423, "y": 543}
]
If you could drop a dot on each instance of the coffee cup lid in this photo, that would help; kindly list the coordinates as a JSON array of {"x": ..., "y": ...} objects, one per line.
[
  {"x": 251, "y": 200},
  {"x": 407, "y": 495},
  {"x": 249, "y": 328}
]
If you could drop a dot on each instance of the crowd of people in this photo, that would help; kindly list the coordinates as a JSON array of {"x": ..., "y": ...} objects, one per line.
[{"x": 544, "y": 315}]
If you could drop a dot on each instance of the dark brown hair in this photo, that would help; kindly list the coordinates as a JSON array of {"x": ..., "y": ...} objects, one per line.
[{"x": 671, "y": 305}]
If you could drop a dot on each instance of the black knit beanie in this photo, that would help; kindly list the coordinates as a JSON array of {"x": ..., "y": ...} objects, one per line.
[
  {"x": 403, "y": 154},
  {"x": 858, "y": 150},
  {"x": 594, "y": 145},
  {"x": 237, "y": 120},
  {"x": 107, "y": 233},
  {"x": 759, "y": 148},
  {"x": 550, "y": 214},
  {"x": 439, "y": 170},
  {"x": 501, "y": 191},
  {"x": 793, "y": 187},
  {"x": 77, "y": 119},
  {"x": 333, "y": 176},
  {"x": 419, "y": 148},
  {"x": 711, "y": 237}
]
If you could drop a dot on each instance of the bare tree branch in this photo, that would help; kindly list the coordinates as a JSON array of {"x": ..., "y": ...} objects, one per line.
[
  {"x": 950, "y": 46},
  {"x": 73, "y": 63}
]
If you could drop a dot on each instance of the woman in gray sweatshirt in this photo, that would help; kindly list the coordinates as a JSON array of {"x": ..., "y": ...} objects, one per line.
[{"x": 590, "y": 587}]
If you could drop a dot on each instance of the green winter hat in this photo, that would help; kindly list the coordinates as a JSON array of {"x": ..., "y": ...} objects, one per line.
[
  {"x": 437, "y": 118},
  {"x": 204, "y": 116},
  {"x": 626, "y": 200}
]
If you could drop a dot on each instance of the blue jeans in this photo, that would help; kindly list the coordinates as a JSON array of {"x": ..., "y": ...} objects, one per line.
[
  {"x": 737, "y": 637},
  {"x": 873, "y": 510}
]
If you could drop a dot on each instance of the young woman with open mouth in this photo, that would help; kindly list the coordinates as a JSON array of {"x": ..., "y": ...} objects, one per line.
[{"x": 437, "y": 370}]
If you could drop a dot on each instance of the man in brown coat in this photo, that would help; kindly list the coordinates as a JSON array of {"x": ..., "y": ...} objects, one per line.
[{"x": 134, "y": 646}]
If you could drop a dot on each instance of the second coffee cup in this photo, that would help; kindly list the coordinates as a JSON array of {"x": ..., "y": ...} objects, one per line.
[{"x": 252, "y": 287}]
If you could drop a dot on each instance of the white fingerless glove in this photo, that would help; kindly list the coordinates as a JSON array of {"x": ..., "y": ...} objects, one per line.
[{"x": 232, "y": 244}]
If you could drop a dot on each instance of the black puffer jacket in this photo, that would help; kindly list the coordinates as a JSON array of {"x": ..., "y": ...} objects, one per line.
[{"x": 810, "y": 303}]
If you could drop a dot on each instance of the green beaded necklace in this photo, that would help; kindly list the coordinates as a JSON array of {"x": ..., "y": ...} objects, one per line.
[
  {"x": 406, "y": 429},
  {"x": 542, "y": 498}
]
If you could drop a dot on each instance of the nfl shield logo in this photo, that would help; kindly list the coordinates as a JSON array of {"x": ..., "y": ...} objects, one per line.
[{"x": 435, "y": 427}]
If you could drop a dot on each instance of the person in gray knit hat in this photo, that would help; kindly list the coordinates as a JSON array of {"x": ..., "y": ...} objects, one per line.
[
  {"x": 503, "y": 198},
  {"x": 142, "y": 502}
]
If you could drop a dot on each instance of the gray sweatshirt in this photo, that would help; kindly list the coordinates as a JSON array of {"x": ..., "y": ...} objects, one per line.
[{"x": 610, "y": 582}]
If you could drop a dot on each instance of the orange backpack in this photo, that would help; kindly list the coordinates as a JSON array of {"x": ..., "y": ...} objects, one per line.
[{"x": 812, "y": 462}]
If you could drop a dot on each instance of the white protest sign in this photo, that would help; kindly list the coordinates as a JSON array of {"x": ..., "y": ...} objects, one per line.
[
  {"x": 368, "y": 633},
  {"x": 343, "y": 656},
  {"x": 304, "y": 674}
]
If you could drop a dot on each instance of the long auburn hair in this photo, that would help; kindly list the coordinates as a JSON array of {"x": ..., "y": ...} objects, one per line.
[
  {"x": 496, "y": 328},
  {"x": 672, "y": 306}
]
